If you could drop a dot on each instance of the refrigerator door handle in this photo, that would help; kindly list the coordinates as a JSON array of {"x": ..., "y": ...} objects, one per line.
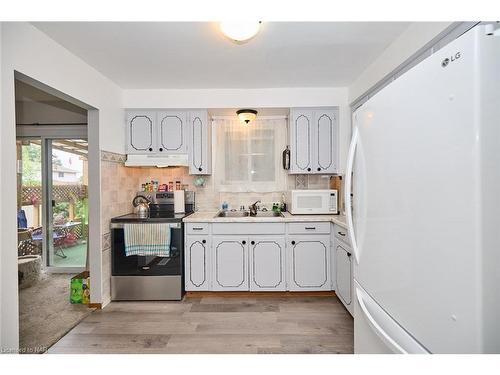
[
  {"x": 347, "y": 193},
  {"x": 381, "y": 323}
]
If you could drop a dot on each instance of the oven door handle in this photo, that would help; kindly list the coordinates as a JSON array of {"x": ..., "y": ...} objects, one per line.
[{"x": 122, "y": 225}]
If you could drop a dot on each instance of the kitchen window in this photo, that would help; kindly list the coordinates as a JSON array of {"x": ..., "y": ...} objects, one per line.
[{"x": 248, "y": 157}]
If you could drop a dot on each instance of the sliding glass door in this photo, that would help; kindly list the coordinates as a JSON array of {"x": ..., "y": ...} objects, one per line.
[
  {"x": 66, "y": 176},
  {"x": 53, "y": 201}
]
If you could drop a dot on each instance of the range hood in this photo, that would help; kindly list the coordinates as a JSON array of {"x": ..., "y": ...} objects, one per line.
[{"x": 175, "y": 160}]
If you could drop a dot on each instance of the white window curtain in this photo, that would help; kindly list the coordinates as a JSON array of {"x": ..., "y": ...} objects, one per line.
[{"x": 248, "y": 157}]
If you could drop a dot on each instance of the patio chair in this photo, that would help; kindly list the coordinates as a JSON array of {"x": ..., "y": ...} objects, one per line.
[{"x": 58, "y": 236}]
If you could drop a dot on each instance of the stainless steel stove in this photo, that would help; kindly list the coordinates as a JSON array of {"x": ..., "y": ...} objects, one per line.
[{"x": 138, "y": 277}]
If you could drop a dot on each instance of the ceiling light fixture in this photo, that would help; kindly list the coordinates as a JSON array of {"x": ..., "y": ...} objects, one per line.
[
  {"x": 240, "y": 32},
  {"x": 246, "y": 115}
]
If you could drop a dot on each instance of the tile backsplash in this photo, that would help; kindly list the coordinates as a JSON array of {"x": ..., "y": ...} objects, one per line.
[{"x": 120, "y": 183}]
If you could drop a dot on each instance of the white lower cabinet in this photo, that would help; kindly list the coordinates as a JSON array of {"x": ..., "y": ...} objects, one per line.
[
  {"x": 230, "y": 263},
  {"x": 197, "y": 263},
  {"x": 344, "y": 274},
  {"x": 267, "y": 263},
  {"x": 309, "y": 262},
  {"x": 260, "y": 258}
]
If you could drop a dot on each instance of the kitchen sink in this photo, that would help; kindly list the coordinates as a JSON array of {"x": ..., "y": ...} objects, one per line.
[
  {"x": 268, "y": 214},
  {"x": 247, "y": 214},
  {"x": 233, "y": 214}
]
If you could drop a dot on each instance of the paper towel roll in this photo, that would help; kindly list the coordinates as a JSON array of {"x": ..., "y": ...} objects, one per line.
[{"x": 179, "y": 206}]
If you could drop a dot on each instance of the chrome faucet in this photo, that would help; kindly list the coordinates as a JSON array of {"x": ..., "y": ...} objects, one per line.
[{"x": 253, "y": 208}]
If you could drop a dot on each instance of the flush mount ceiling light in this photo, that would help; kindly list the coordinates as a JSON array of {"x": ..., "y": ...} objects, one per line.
[
  {"x": 241, "y": 31},
  {"x": 246, "y": 115}
]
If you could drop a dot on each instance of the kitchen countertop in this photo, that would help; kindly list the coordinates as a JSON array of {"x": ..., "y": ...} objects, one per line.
[{"x": 209, "y": 217}]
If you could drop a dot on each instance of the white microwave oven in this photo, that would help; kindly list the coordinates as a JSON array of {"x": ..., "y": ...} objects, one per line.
[{"x": 312, "y": 202}]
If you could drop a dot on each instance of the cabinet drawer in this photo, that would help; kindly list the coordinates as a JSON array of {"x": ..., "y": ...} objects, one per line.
[
  {"x": 312, "y": 227},
  {"x": 248, "y": 228},
  {"x": 197, "y": 228},
  {"x": 341, "y": 234}
]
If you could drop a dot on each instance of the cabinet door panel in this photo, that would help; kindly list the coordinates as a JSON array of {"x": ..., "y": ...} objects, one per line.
[
  {"x": 267, "y": 263},
  {"x": 230, "y": 263},
  {"x": 141, "y": 128},
  {"x": 326, "y": 141},
  {"x": 172, "y": 129},
  {"x": 344, "y": 277},
  {"x": 309, "y": 259},
  {"x": 301, "y": 130},
  {"x": 200, "y": 143},
  {"x": 197, "y": 263}
]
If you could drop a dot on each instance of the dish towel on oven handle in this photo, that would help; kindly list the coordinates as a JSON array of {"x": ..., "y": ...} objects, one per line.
[{"x": 147, "y": 239}]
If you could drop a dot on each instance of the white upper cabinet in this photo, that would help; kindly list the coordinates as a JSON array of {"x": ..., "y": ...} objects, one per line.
[
  {"x": 326, "y": 143},
  {"x": 313, "y": 141},
  {"x": 141, "y": 132},
  {"x": 301, "y": 136},
  {"x": 200, "y": 152},
  {"x": 172, "y": 132},
  {"x": 267, "y": 263}
]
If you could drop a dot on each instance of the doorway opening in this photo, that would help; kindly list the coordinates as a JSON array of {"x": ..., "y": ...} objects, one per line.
[{"x": 53, "y": 214}]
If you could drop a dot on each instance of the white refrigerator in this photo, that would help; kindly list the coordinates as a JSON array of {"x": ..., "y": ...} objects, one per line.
[{"x": 423, "y": 216}]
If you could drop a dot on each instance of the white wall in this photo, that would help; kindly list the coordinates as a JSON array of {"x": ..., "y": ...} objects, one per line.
[
  {"x": 235, "y": 98},
  {"x": 29, "y": 51},
  {"x": 253, "y": 98},
  {"x": 410, "y": 41},
  {"x": 47, "y": 113}
]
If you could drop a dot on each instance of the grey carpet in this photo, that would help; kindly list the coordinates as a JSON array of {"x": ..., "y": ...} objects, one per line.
[{"x": 45, "y": 314}]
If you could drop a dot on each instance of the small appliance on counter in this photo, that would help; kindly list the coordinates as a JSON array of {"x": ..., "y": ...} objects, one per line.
[
  {"x": 147, "y": 271},
  {"x": 312, "y": 202},
  {"x": 141, "y": 205}
]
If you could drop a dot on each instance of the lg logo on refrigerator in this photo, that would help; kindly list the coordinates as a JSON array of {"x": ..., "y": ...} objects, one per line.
[{"x": 448, "y": 60}]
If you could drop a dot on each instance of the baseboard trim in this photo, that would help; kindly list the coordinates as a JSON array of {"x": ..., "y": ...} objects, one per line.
[
  {"x": 326, "y": 293},
  {"x": 97, "y": 306}
]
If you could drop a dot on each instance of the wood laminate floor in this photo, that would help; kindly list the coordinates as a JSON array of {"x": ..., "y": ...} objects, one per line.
[{"x": 215, "y": 325}]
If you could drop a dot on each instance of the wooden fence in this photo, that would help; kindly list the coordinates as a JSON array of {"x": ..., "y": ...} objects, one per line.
[{"x": 60, "y": 193}]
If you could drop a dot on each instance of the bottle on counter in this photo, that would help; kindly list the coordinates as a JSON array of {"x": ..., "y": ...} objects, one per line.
[
  {"x": 177, "y": 185},
  {"x": 170, "y": 186}
]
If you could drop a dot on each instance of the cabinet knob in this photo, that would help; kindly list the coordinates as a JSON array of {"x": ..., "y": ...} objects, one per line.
[
  {"x": 161, "y": 149},
  {"x": 200, "y": 169},
  {"x": 293, "y": 242},
  {"x": 204, "y": 241},
  {"x": 252, "y": 243},
  {"x": 309, "y": 169},
  {"x": 319, "y": 169},
  {"x": 150, "y": 149},
  {"x": 244, "y": 242}
]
